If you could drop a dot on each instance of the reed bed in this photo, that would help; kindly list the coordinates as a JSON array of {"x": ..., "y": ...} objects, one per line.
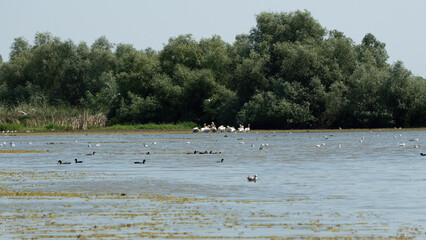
[{"x": 49, "y": 117}]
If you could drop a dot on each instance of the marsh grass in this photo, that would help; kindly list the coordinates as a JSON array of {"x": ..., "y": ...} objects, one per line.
[
  {"x": 150, "y": 126},
  {"x": 42, "y": 117},
  {"x": 45, "y": 117}
]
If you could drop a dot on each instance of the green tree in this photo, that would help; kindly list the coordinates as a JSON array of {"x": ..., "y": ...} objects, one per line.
[
  {"x": 292, "y": 27},
  {"x": 19, "y": 45},
  {"x": 182, "y": 50},
  {"x": 370, "y": 46}
]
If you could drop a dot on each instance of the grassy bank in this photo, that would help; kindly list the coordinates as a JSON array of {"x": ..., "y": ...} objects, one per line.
[{"x": 44, "y": 117}]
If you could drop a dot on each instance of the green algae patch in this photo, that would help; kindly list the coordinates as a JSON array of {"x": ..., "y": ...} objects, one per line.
[
  {"x": 22, "y": 151},
  {"x": 7, "y": 193}
]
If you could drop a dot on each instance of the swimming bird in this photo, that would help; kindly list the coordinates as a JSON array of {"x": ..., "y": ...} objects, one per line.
[
  {"x": 221, "y": 161},
  {"x": 252, "y": 179},
  {"x": 77, "y": 161},
  {"x": 60, "y": 162},
  {"x": 143, "y": 162},
  {"x": 422, "y": 154},
  {"x": 90, "y": 154}
]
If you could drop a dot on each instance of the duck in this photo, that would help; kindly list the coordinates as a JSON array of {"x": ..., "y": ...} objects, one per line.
[
  {"x": 60, "y": 162},
  {"x": 77, "y": 161},
  {"x": 143, "y": 162},
  {"x": 90, "y": 154},
  {"x": 422, "y": 154},
  {"x": 221, "y": 161},
  {"x": 252, "y": 179}
]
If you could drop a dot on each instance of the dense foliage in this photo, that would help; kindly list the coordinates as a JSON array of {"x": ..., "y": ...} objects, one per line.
[{"x": 287, "y": 72}]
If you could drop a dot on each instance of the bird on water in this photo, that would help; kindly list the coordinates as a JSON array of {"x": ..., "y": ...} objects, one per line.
[
  {"x": 60, "y": 162},
  {"x": 252, "y": 179}
]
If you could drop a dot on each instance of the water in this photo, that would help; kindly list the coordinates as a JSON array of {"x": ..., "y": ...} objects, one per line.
[{"x": 371, "y": 186}]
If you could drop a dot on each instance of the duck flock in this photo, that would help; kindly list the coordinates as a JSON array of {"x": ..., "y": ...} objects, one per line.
[{"x": 212, "y": 128}]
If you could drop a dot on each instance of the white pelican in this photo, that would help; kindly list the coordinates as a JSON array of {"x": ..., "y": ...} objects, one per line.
[
  {"x": 247, "y": 129},
  {"x": 205, "y": 129},
  {"x": 195, "y": 130},
  {"x": 241, "y": 128},
  {"x": 230, "y": 129},
  {"x": 213, "y": 127},
  {"x": 221, "y": 128}
]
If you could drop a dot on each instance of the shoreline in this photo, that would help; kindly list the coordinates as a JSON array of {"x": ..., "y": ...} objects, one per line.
[{"x": 189, "y": 131}]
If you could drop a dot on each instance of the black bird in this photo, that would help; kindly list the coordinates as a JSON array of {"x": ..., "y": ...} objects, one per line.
[
  {"x": 422, "y": 154},
  {"x": 76, "y": 161},
  {"x": 143, "y": 162},
  {"x": 221, "y": 161},
  {"x": 91, "y": 153},
  {"x": 60, "y": 162}
]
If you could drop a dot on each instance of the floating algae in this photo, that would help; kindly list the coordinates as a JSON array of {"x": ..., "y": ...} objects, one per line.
[{"x": 22, "y": 151}]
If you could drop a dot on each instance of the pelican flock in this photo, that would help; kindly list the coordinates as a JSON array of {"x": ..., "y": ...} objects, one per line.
[{"x": 207, "y": 128}]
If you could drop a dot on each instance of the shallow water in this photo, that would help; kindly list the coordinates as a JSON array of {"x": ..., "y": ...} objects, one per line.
[{"x": 371, "y": 186}]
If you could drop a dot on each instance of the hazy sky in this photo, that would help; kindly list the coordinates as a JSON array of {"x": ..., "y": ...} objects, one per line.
[{"x": 399, "y": 24}]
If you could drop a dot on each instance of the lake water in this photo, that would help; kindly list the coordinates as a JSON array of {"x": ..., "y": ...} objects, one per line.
[{"x": 329, "y": 184}]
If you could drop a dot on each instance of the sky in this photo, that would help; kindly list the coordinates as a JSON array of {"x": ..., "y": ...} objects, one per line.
[{"x": 401, "y": 25}]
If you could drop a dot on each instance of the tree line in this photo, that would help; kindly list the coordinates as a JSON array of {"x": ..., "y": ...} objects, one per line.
[{"x": 287, "y": 72}]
